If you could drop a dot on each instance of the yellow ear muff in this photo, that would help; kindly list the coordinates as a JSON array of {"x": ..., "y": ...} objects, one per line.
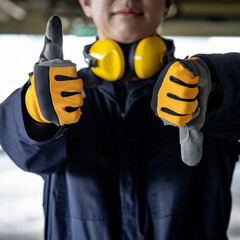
[
  {"x": 110, "y": 64},
  {"x": 148, "y": 59}
]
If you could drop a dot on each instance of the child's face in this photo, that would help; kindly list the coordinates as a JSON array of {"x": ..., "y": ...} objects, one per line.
[{"x": 125, "y": 21}]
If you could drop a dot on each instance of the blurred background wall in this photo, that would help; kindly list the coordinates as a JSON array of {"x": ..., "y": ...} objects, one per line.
[{"x": 187, "y": 17}]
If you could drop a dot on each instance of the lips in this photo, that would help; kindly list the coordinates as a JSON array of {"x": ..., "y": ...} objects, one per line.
[{"x": 128, "y": 12}]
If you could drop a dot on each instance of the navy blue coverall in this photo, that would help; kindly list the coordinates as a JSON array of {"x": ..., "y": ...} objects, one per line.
[{"x": 117, "y": 174}]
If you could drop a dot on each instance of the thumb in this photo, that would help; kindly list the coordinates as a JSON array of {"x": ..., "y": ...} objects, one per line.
[{"x": 53, "y": 40}]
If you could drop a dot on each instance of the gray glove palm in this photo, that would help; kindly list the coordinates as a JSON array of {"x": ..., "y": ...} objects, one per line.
[{"x": 180, "y": 98}]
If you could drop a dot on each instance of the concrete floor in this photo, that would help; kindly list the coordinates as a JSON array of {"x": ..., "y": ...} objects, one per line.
[
  {"x": 21, "y": 214},
  {"x": 234, "y": 227}
]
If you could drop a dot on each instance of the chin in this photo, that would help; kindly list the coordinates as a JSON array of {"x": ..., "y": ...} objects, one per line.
[{"x": 128, "y": 39}]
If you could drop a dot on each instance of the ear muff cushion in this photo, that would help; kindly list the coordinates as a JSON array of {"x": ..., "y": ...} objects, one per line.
[
  {"x": 148, "y": 58},
  {"x": 110, "y": 60}
]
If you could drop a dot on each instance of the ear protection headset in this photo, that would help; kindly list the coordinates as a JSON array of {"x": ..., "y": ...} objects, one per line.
[{"x": 107, "y": 60}]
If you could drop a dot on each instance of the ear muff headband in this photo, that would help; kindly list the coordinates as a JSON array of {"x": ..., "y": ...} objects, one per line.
[
  {"x": 109, "y": 60},
  {"x": 148, "y": 57}
]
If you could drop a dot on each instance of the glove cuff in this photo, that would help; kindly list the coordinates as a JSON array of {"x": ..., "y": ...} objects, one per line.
[{"x": 31, "y": 103}]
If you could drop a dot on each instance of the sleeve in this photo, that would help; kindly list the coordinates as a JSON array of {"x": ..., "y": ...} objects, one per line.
[
  {"x": 41, "y": 157},
  {"x": 223, "y": 120}
]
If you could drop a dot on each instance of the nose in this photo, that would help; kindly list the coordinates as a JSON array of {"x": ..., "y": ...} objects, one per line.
[{"x": 129, "y": 3}]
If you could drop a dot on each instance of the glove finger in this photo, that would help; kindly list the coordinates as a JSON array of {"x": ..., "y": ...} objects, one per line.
[
  {"x": 181, "y": 92},
  {"x": 69, "y": 86},
  {"x": 178, "y": 120},
  {"x": 191, "y": 141},
  {"x": 180, "y": 72},
  {"x": 54, "y": 30},
  {"x": 181, "y": 107},
  {"x": 74, "y": 101},
  {"x": 65, "y": 79},
  {"x": 53, "y": 40},
  {"x": 68, "y": 117}
]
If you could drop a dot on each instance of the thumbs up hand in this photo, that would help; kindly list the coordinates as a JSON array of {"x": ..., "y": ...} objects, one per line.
[
  {"x": 180, "y": 98},
  {"x": 55, "y": 91}
]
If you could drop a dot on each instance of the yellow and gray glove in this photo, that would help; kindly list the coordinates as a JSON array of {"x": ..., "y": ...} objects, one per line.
[
  {"x": 180, "y": 98},
  {"x": 55, "y": 91}
]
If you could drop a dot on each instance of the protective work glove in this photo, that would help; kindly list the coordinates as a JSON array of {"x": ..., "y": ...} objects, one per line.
[
  {"x": 55, "y": 91},
  {"x": 180, "y": 98}
]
